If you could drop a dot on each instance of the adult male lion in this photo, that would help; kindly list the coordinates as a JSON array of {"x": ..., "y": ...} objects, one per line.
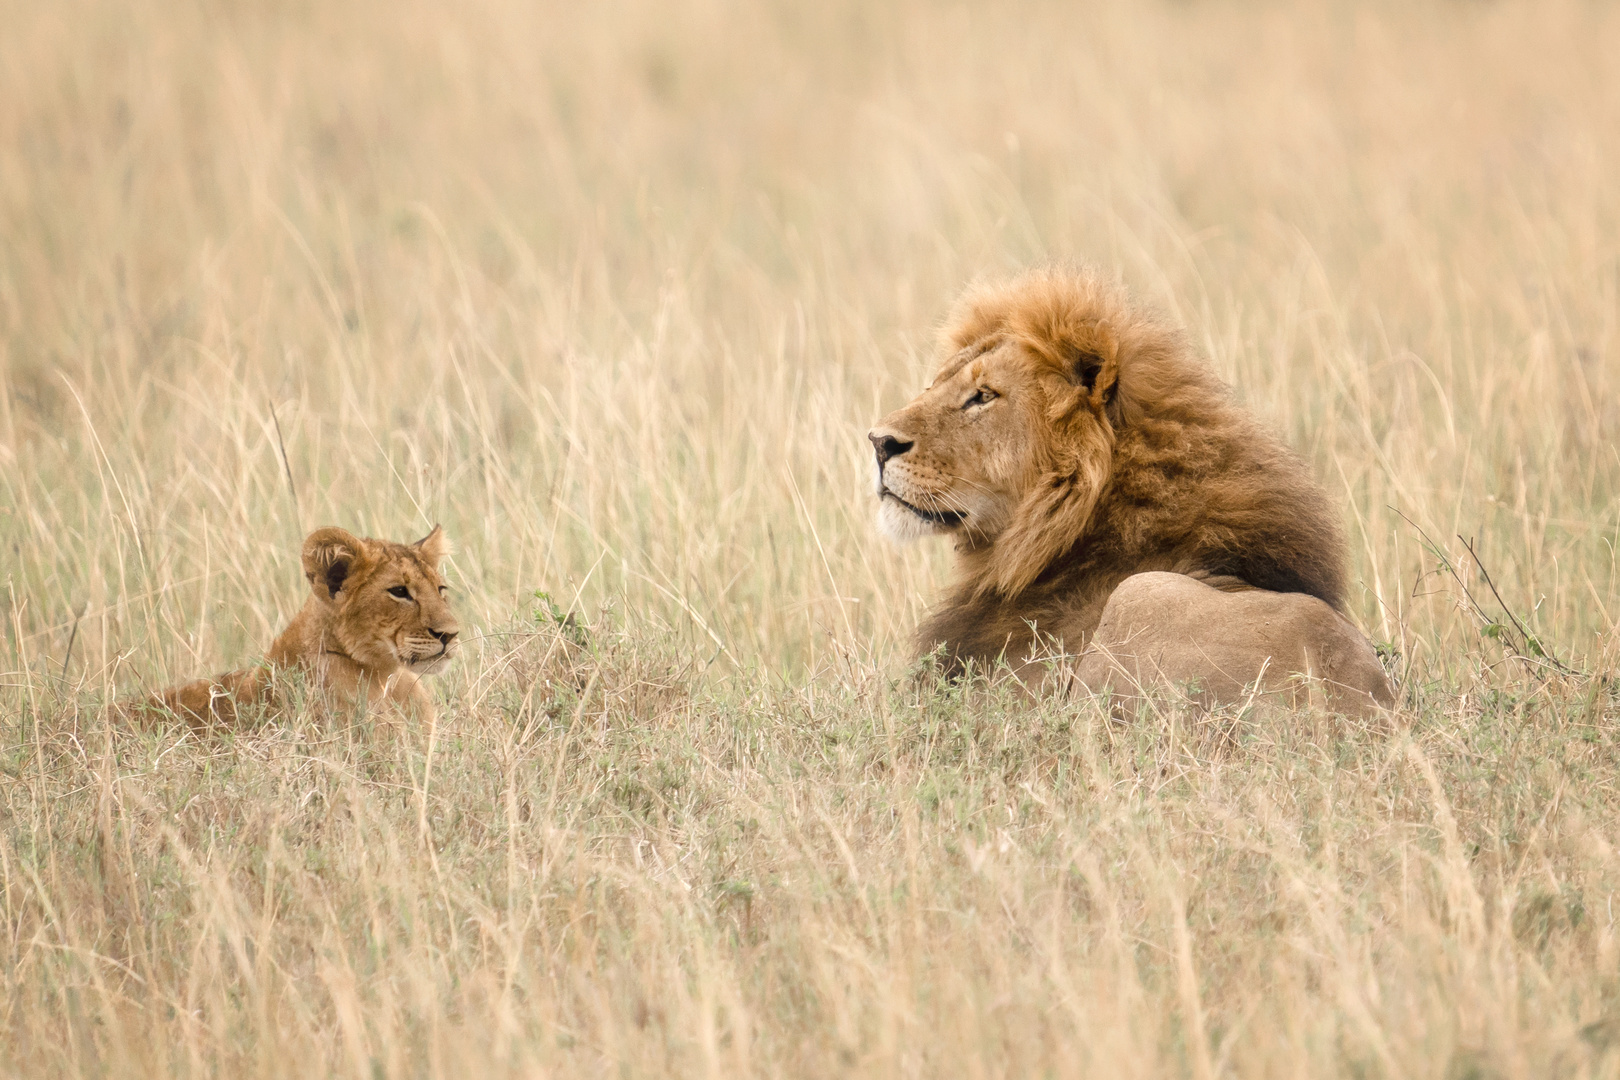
[
  {"x": 1069, "y": 443},
  {"x": 375, "y": 621}
]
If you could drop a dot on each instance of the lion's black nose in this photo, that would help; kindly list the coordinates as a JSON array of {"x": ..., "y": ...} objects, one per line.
[
  {"x": 445, "y": 636},
  {"x": 887, "y": 445}
]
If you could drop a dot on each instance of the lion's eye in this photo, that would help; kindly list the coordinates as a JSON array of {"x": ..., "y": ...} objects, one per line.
[
  {"x": 984, "y": 396},
  {"x": 400, "y": 591}
]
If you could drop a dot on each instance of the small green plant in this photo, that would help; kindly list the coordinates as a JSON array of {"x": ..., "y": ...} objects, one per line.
[{"x": 548, "y": 613}]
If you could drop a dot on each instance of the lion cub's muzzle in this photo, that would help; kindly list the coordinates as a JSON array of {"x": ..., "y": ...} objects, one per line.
[{"x": 431, "y": 654}]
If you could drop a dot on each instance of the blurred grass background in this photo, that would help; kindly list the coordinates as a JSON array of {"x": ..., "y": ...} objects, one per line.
[{"x": 613, "y": 291}]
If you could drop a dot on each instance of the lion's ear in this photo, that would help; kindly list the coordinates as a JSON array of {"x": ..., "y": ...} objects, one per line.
[
  {"x": 1098, "y": 371},
  {"x": 434, "y": 546},
  {"x": 329, "y": 556}
]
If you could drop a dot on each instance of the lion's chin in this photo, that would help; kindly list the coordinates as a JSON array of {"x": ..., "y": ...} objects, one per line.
[
  {"x": 431, "y": 666},
  {"x": 903, "y": 523}
]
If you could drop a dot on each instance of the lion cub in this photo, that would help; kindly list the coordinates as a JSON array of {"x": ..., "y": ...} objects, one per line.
[{"x": 376, "y": 621}]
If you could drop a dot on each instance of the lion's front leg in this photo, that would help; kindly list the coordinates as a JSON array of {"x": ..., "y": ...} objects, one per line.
[{"x": 407, "y": 697}]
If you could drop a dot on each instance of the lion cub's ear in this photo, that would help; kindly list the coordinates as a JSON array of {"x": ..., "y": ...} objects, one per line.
[
  {"x": 329, "y": 555},
  {"x": 434, "y": 546}
]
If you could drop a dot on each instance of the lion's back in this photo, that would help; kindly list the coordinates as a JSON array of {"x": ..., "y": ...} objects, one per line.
[{"x": 1166, "y": 628}]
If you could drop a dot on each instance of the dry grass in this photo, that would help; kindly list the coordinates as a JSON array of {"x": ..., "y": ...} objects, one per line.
[{"x": 613, "y": 292}]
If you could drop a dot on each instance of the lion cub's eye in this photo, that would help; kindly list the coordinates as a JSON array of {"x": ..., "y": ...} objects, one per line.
[
  {"x": 400, "y": 591},
  {"x": 984, "y": 396}
]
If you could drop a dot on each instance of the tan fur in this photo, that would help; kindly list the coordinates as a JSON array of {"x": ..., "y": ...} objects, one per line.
[
  {"x": 1161, "y": 628},
  {"x": 355, "y": 641},
  {"x": 1071, "y": 440}
]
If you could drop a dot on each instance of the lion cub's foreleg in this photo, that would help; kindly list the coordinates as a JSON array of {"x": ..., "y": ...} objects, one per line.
[
  {"x": 407, "y": 694},
  {"x": 400, "y": 695}
]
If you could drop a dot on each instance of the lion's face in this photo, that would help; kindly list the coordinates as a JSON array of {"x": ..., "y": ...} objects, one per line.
[
  {"x": 964, "y": 454},
  {"x": 1012, "y": 445},
  {"x": 390, "y": 606}
]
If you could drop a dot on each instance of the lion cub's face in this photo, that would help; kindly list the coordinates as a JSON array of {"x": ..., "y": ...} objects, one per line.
[
  {"x": 389, "y": 605},
  {"x": 961, "y": 456}
]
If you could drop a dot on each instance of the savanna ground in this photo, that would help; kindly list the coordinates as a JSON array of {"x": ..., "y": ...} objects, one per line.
[{"x": 614, "y": 291}]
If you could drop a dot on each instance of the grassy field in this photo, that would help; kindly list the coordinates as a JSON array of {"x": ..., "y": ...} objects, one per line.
[{"x": 613, "y": 292}]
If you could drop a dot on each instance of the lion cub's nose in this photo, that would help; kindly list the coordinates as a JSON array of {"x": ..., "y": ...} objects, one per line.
[
  {"x": 445, "y": 636},
  {"x": 887, "y": 445}
]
